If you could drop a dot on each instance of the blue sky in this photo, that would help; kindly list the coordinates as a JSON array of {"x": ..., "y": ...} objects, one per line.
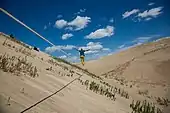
[{"x": 104, "y": 26}]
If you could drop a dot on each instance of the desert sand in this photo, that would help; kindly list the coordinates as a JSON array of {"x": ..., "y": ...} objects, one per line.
[{"x": 65, "y": 88}]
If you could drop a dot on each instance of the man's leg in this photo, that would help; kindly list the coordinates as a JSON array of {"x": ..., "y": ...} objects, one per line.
[{"x": 82, "y": 60}]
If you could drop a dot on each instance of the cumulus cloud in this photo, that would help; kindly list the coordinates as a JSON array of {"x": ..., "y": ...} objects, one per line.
[
  {"x": 58, "y": 48},
  {"x": 129, "y": 13},
  {"x": 91, "y": 52},
  {"x": 151, "y": 3},
  {"x": 145, "y": 15},
  {"x": 142, "y": 39},
  {"x": 111, "y": 20},
  {"x": 94, "y": 47},
  {"x": 81, "y": 11},
  {"x": 72, "y": 59},
  {"x": 69, "y": 28},
  {"x": 77, "y": 24},
  {"x": 154, "y": 12},
  {"x": 136, "y": 42},
  {"x": 128, "y": 47},
  {"x": 147, "y": 19},
  {"x": 66, "y": 36},
  {"x": 101, "y": 33},
  {"x": 80, "y": 22},
  {"x": 59, "y": 16},
  {"x": 60, "y": 23},
  {"x": 63, "y": 56},
  {"x": 106, "y": 49}
]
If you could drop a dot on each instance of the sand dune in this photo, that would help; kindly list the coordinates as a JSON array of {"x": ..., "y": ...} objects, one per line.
[
  {"x": 147, "y": 61},
  {"x": 64, "y": 88}
]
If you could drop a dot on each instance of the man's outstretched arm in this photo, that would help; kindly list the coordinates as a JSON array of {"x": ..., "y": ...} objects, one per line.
[
  {"x": 87, "y": 50},
  {"x": 76, "y": 49}
]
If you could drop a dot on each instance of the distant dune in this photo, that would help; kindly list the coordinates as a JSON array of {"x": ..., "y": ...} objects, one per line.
[{"x": 147, "y": 61}]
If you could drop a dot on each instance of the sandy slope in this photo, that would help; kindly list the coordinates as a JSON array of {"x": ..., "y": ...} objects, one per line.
[
  {"x": 25, "y": 91},
  {"x": 140, "y": 53},
  {"x": 147, "y": 66},
  {"x": 141, "y": 63}
]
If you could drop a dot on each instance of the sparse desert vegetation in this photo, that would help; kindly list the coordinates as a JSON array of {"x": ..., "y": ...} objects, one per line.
[
  {"x": 98, "y": 88},
  {"x": 144, "y": 107},
  {"x": 55, "y": 73},
  {"x": 17, "y": 65},
  {"x": 163, "y": 101},
  {"x": 23, "y": 50},
  {"x": 143, "y": 92},
  {"x": 104, "y": 89}
]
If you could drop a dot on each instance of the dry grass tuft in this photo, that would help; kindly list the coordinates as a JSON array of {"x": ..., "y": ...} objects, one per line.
[
  {"x": 144, "y": 107},
  {"x": 17, "y": 65}
]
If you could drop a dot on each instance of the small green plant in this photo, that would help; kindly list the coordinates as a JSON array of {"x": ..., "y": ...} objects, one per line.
[
  {"x": 98, "y": 88},
  {"x": 8, "y": 101},
  {"x": 4, "y": 43},
  {"x": 163, "y": 101},
  {"x": 144, "y": 92},
  {"x": 144, "y": 107}
]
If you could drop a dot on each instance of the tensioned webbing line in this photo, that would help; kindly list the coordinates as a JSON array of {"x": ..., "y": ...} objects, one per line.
[
  {"x": 50, "y": 95},
  {"x": 33, "y": 31}
]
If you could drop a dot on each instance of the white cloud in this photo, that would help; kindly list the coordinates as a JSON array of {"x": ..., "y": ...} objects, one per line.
[
  {"x": 121, "y": 46},
  {"x": 66, "y": 36},
  {"x": 67, "y": 47},
  {"x": 110, "y": 54},
  {"x": 147, "y": 19},
  {"x": 127, "y": 47},
  {"x": 154, "y": 12},
  {"x": 81, "y": 11},
  {"x": 45, "y": 27},
  {"x": 151, "y": 3},
  {"x": 49, "y": 24},
  {"x": 142, "y": 39},
  {"x": 69, "y": 28},
  {"x": 51, "y": 49},
  {"x": 60, "y": 23},
  {"x": 58, "y": 48},
  {"x": 72, "y": 59},
  {"x": 80, "y": 22},
  {"x": 63, "y": 56},
  {"x": 135, "y": 42},
  {"x": 59, "y": 16},
  {"x": 111, "y": 20},
  {"x": 91, "y": 52},
  {"x": 106, "y": 49},
  {"x": 129, "y": 13},
  {"x": 101, "y": 33},
  {"x": 94, "y": 47},
  {"x": 99, "y": 25},
  {"x": 77, "y": 24}
]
